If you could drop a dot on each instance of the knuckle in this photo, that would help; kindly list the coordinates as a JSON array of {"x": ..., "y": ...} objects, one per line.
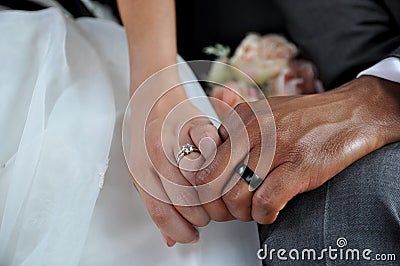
[
  {"x": 160, "y": 219},
  {"x": 245, "y": 218},
  {"x": 241, "y": 108},
  {"x": 159, "y": 215},
  {"x": 254, "y": 133},
  {"x": 239, "y": 205},
  {"x": 260, "y": 220},
  {"x": 209, "y": 132},
  {"x": 265, "y": 220},
  {"x": 298, "y": 157},
  {"x": 202, "y": 223},
  {"x": 264, "y": 203},
  {"x": 222, "y": 217},
  {"x": 294, "y": 158},
  {"x": 203, "y": 176},
  {"x": 235, "y": 199},
  {"x": 194, "y": 215},
  {"x": 242, "y": 214}
]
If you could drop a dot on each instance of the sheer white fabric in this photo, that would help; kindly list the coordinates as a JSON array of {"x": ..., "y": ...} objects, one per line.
[{"x": 63, "y": 91}]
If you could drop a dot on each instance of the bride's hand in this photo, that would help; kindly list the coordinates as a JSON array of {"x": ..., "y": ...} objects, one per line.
[
  {"x": 166, "y": 189},
  {"x": 150, "y": 28}
]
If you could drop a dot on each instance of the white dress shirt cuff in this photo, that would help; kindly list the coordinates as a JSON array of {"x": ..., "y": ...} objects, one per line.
[{"x": 388, "y": 69}]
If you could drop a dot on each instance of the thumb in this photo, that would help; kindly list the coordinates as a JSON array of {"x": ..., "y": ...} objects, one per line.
[{"x": 279, "y": 187}]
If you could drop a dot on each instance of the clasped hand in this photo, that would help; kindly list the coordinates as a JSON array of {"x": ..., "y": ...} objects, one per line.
[{"x": 317, "y": 136}]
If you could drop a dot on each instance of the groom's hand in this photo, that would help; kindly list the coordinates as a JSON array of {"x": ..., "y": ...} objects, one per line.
[{"x": 317, "y": 136}]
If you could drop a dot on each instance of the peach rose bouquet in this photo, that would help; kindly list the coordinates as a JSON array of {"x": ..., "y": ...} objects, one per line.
[{"x": 269, "y": 61}]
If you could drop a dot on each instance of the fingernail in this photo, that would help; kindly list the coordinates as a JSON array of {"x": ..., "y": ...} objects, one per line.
[{"x": 168, "y": 241}]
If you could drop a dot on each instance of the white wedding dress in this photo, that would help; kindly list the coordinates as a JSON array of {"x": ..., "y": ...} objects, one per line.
[{"x": 65, "y": 192}]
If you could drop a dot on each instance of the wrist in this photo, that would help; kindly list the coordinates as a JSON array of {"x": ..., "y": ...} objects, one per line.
[
  {"x": 142, "y": 69},
  {"x": 378, "y": 101}
]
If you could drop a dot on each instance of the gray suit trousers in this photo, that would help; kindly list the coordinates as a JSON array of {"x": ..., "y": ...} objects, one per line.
[{"x": 356, "y": 213}]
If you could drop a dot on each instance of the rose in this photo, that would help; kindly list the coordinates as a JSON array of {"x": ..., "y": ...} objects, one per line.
[
  {"x": 263, "y": 57},
  {"x": 269, "y": 61},
  {"x": 300, "y": 77}
]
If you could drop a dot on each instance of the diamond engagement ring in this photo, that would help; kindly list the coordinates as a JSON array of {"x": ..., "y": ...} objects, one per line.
[{"x": 185, "y": 150}]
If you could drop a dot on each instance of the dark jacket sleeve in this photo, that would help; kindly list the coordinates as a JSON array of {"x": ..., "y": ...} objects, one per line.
[
  {"x": 396, "y": 53},
  {"x": 393, "y": 8},
  {"x": 343, "y": 37}
]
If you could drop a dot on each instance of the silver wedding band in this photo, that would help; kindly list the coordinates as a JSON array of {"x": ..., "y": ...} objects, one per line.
[
  {"x": 185, "y": 150},
  {"x": 249, "y": 176}
]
